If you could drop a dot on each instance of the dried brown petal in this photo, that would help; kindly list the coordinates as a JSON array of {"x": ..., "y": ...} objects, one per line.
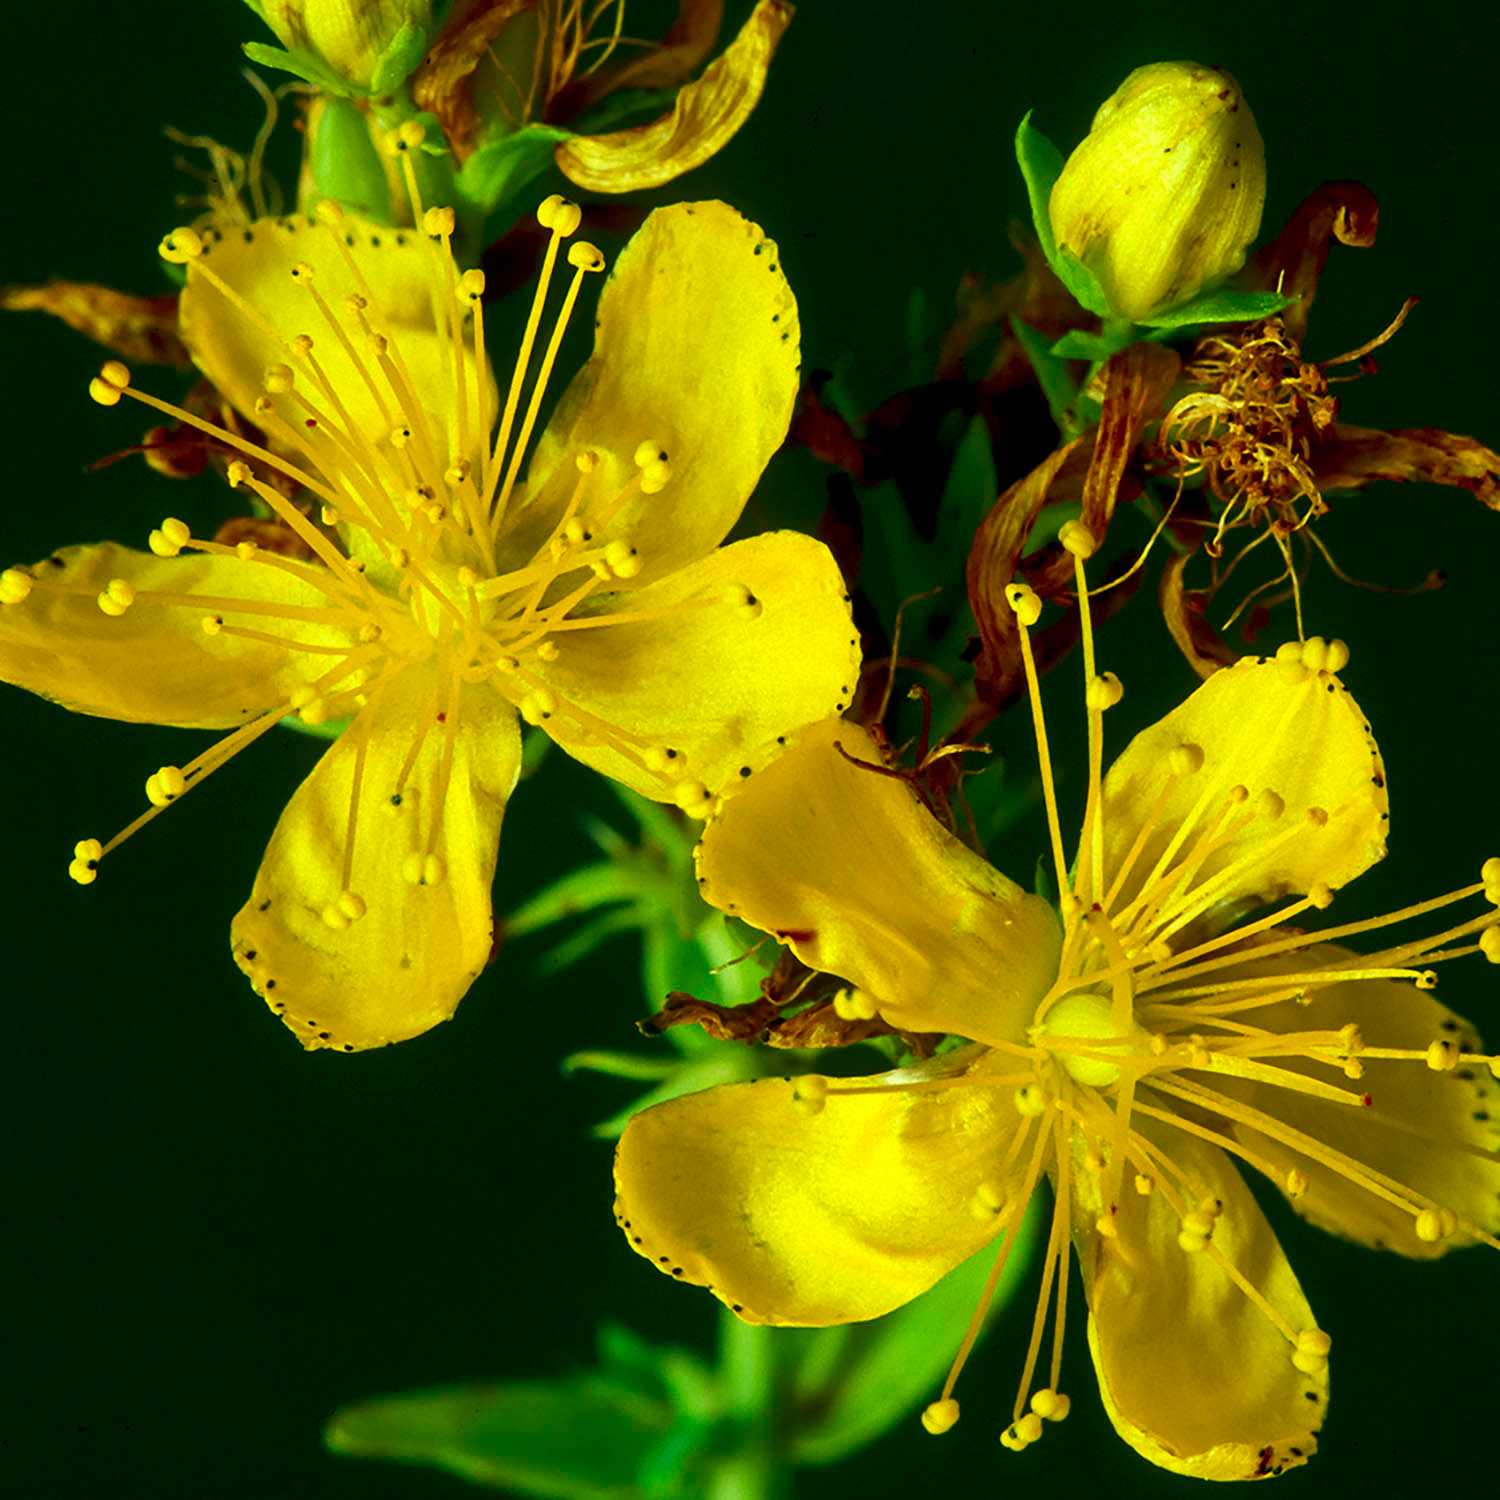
[
  {"x": 142, "y": 330},
  {"x": 1350, "y": 457}
]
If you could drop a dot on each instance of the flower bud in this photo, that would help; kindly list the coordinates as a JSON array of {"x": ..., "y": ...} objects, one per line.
[
  {"x": 1164, "y": 196},
  {"x": 362, "y": 44}
]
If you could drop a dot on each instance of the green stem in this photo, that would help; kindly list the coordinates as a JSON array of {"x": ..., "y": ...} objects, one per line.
[{"x": 748, "y": 1386}]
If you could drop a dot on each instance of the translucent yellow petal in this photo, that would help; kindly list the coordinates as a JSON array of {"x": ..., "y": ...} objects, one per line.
[
  {"x": 1195, "y": 1376},
  {"x": 403, "y": 279},
  {"x": 847, "y": 867},
  {"x": 697, "y": 353},
  {"x": 154, "y": 664},
  {"x": 703, "y": 119},
  {"x": 403, "y": 966},
  {"x": 714, "y": 679},
  {"x": 1437, "y": 1132},
  {"x": 1314, "y": 805},
  {"x": 791, "y": 1216}
]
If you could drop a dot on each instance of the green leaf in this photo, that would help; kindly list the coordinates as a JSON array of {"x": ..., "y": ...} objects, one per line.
[
  {"x": 311, "y": 70},
  {"x": 399, "y": 60},
  {"x": 343, "y": 164},
  {"x": 1041, "y": 165},
  {"x": 851, "y": 1384},
  {"x": 498, "y": 172},
  {"x": 1095, "y": 347},
  {"x": 584, "y": 1438},
  {"x": 1051, "y": 368},
  {"x": 1223, "y": 306}
]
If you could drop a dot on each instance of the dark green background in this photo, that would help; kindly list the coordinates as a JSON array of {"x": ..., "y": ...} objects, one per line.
[{"x": 213, "y": 1239}]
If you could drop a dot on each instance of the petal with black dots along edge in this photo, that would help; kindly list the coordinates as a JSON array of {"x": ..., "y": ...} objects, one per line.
[
  {"x": 404, "y": 279},
  {"x": 793, "y": 1217},
  {"x": 154, "y": 664},
  {"x": 687, "y": 669},
  {"x": 697, "y": 351},
  {"x": 1192, "y": 1373},
  {"x": 1304, "y": 740},
  {"x": 407, "y": 962},
  {"x": 1434, "y": 1132},
  {"x": 847, "y": 867}
]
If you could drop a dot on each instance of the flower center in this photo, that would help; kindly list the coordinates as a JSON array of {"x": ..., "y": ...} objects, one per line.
[{"x": 1081, "y": 1031}]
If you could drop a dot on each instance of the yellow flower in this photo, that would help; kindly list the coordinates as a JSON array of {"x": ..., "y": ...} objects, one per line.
[
  {"x": 442, "y": 599},
  {"x": 1164, "y": 195},
  {"x": 1131, "y": 1049}
]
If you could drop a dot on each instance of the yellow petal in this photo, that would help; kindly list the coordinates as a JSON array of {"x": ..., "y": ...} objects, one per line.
[
  {"x": 1433, "y": 1131},
  {"x": 154, "y": 664},
  {"x": 1296, "y": 743},
  {"x": 697, "y": 353},
  {"x": 1195, "y": 1376},
  {"x": 713, "y": 678},
  {"x": 847, "y": 867},
  {"x": 703, "y": 119},
  {"x": 404, "y": 279},
  {"x": 403, "y": 966},
  {"x": 791, "y": 1216}
]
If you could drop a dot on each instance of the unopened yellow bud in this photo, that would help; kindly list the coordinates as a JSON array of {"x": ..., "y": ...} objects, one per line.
[
  {"x": 350, "y": 37},
  {"x": 1164, "y": 195}
]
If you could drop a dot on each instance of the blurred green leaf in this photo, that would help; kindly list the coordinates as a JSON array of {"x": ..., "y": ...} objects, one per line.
[{"x": 1223, "y": 306}]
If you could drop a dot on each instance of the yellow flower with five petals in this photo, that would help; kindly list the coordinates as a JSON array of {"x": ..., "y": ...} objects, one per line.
[
  {"x": 441, "y": 597},
  {"x": 1131, "y": 1045}
]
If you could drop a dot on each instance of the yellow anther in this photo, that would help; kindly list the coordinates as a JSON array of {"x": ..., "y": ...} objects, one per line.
[
  {"x": 693, "y": 798},
  {"x": 238, "y": 473},
  {"x": 117, "y": 597},
  {"x": 988, "y": 1200},
  {"x": 1442, "y": 1056},
  {"x": 304, "y": 271},
  {"x": 400, "y": 558},
  {"x": 939, "y": 1417},
  {"x": 409, "y": 135},
  {"x": 1186, "y": 760},
  {"x": 170, "y": 537},
  {"x": 113, "y": 377},
  {"x": 1338, "y": 656},
  {"x": 854, "y": 1004},
  {"x": 1289, "y": 663},
  {"x": 434, "y": 510},
  {"x": 1108, "y": 1226},
  {"x": 1024, "y": 601},
  {"x": 1050, "y": 1405},
  {"x": 624, "y": 561},
  {"x": 583, "y": 256},
  {"x": 438, "y": 222},
  {"x": 648, "y": 451},
  {"x": 659, "y": 759},
  {"x": 1318, "y": 817},
  {"x": 559, "y": 215},
  {"x": 376, "y": 345},
  {"x": 537, "y": 705},
  {"x": 586, "y": 461},
  {"x": 351, "y": 905},
  {"x": 1426, "y": 980},
  {"x": 1319, "y": 894},
  {"x": 369, "y": 633},
  {"x": 1145, "y": 1184},
  {"x": 1434, "y": 1224},
  {"x": 329, "y": 515},
  {"x": 1031, "y": 1100},
  {"x": 471, "y": 286},
  {"x": 655, "y": 477},
  {"x": 423, "y": 869},
  {"x": 1092, "y": 1161},
  {"x": 1354, "y": 1069},
  {"x": 811, "y": 1092},
  {"x": 1296, "y": 1182},
  {"x": 15, "y": 586},
  {"x": 1314, "y": 1341},
  {"x": 165, "y": 785},
  {"x": 1271, "y": 804},
  {"x": 575, "y": 531},
  {"x": 300, "y": 696},
  {"x": 457, "y": 472},
  {"x": 334, "y": 918},
  {"x": 742, "y": 601},
  {"x": 116, "y": 372},
  {"x": 181, "y": 246},
  {"x": 302, "y": 345},
  {"x": 86, "y": 856},
  {"x": 1315, "y": 653},
  {"x": 547, "y": 650},
  {"x": 314, "y": 712},
  {"x": 1078, "y": 539},
  {"x": 1023, "y": 1433},
  {"x": 1489, "y": 944},
  {"x": 1105, "y": 691},
  {"x": 212, "y": 624},
  {"x": 278, "y": 380},
  {"x": 1489, "y": 871}
]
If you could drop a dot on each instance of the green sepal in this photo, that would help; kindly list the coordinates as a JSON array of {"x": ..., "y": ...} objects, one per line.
[
  {"x": 1050, "y": 367},
  {"x": 310, "y": 69},
  {"x": 329, "y": 729},
  {"x": 855, "y": 1382},
  {"x": 343, "y": 164},
  {"x": 1078, "y": 343},
  {"x": 399, "y": 60},
  {"x": 1041, "y": 165},
  {"x": 500, "y": 171},
  {"x": 1223, "y": 306}
]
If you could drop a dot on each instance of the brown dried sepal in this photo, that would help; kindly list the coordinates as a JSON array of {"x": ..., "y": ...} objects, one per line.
[
  {"x": 1183, "y": 610},
  {"x": 1347, "y": 458},
  {"x": 443, "y": 83},
  {"x": 141, "y": 330}
]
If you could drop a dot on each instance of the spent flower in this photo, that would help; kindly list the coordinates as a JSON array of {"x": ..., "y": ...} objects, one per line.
[
  {"x": 433, "y": 596},
  {"x": 1133, "y": 1045}
]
